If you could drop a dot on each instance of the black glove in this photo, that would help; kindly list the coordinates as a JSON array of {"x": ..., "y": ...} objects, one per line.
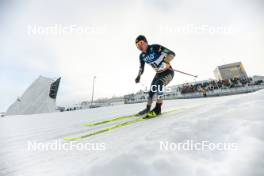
[{"x": 137, "y": 79}]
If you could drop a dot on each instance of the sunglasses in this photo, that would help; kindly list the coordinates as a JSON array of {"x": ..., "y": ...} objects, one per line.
[{"x": 139, "y": 43}]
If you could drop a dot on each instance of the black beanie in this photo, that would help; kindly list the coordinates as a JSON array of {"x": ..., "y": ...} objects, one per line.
[{"x": 141, "y": 37}]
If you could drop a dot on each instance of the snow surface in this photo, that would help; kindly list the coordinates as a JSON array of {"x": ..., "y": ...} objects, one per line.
[{"x": 135, "y": 149}]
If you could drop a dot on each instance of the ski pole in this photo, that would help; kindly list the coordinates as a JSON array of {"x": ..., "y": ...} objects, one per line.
[{"x": 185, "y": 73}]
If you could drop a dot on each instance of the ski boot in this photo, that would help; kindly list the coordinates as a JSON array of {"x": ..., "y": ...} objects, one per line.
[
  {"x": 144, "y": 111},
  {"x": 154, "y": 112}
]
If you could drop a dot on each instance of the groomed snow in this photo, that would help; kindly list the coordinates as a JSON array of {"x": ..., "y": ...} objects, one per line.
[{"x": 135, "y": 150}]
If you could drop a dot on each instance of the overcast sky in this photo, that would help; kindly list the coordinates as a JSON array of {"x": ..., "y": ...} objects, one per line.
[{"x": 203, "y": 34}]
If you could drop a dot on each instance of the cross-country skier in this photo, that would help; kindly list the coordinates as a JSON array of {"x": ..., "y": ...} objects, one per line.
[{"x": 159, "y": 58}]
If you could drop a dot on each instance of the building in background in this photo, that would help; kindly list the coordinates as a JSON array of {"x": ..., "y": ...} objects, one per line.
[
  {"x": 40, "y": 97},
  {"x": 230, "y": 71}
]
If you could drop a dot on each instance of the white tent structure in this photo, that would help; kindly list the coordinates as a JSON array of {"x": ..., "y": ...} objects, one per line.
[{"x": 40, "y": 97}]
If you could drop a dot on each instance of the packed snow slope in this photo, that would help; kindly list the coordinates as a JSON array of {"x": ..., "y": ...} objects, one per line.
[{"x": 135, "y": 150}]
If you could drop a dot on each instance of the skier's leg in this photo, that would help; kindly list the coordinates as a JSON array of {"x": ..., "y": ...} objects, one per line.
[
  {"x": 162, "y": 81},
  {"x": 150, "y": 97}
]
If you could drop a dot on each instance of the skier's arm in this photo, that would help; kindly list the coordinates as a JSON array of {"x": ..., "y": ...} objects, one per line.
[
  {"x": 168, "y": 58},
  {"x": 141, "y": 67},
  {"x": 141, "y": 70},
  {"x": 170, "y": 54}
]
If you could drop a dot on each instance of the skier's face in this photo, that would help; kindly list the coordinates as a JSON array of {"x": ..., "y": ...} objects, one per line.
[{"x": 142, "y": 45}]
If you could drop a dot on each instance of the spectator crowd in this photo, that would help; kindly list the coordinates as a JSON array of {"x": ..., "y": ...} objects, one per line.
[{"x": 214, "y": 84}]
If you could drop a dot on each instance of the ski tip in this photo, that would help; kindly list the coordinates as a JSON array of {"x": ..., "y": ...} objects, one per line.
[
  {"x": 88, "y": 124},
  {"x": 72, "y": 139}
]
